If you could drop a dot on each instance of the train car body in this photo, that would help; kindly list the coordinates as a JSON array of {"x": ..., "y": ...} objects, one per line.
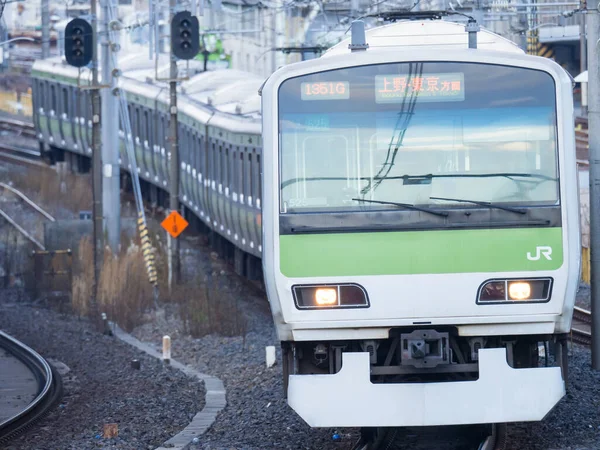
[
  {"x": 219, "y": 142},
  {"x": 421, "y": 229}
]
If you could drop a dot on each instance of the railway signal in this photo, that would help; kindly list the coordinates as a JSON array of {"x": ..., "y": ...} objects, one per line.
[
  {"x": 185, "y": 35},
  {"x": 79, "y": 45}
]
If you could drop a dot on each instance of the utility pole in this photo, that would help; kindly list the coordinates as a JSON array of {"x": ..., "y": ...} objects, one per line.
[
  {"x": 111, "y": 193},
  {"x": 593, "y": 34},
  {"x": 96, "y": 167},
  {"x": 583, "y": 62},
  {"x": 174, "y": 161},
  {"x": 45, "y": 29}
]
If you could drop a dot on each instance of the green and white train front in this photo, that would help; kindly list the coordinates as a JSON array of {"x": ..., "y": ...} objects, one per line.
[{"x": 421, "y": 235}]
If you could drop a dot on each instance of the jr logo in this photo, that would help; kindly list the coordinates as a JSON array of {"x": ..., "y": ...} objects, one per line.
[{"x": 546, "y": 252}]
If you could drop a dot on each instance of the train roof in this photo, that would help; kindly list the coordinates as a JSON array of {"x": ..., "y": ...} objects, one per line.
[
  {"x": 233, "y": 93},
  {"x": 427, "y": 33}
]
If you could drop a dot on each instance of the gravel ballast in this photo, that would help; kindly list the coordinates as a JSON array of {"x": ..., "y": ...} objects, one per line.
[
  {"x": 258, "y": 417},
  {"x": 149, "y": 405}
]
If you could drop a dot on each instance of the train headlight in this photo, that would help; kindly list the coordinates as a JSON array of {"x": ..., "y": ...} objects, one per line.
[
  {"x": 519, "y": 290},
  {"x": 330, "y": 296},
  {"x": 326, "y": 297}
]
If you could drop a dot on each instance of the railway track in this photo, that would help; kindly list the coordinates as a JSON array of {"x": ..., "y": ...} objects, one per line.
[
  {"x": 581, "y": 329},
  {"x": 10, "y": 218},
  {"x": 32, "y": 387},
  {"x": 18, "y": 127},
  {"x": 15, "y": 129}
]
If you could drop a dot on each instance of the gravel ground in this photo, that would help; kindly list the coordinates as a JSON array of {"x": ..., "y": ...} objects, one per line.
[
  {"x": 149, "y": 405},
  {"x": 583, "y": 299},
  {"x": 257, "y": 416}
]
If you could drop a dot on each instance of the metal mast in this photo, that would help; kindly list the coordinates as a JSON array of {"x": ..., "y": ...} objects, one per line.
[
  {"x": 174, "y": 157},
  {"x": 593, "y": 34},
  {"x": 96, "y": 167},
  {"x": 111, "y": 194}
]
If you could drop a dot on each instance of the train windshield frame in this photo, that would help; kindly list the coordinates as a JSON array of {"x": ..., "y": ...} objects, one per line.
[{"x": 426, "y": 134}]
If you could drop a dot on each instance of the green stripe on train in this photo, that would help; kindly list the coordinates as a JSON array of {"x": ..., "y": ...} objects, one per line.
[{"x": 419, "y": 252}]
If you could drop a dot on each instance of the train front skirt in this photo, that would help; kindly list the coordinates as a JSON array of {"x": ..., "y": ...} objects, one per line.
[{"x": 501, "y": 394}]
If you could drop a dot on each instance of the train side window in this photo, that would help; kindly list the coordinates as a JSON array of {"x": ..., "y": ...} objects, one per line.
[
  {"x": 212, "y": 166},
  {"x": 41, "y": 86},
  {"x": 138, "y": 123},
  {"x": 66, "y": 102},
  {"x": 233, "y": 171},
  {"x": 197, "y": 151},
  {"x": 146, "y": 133},
  {"x": 130, "y": 112},
  {"x": 241, "y": 173},
  {"x": 227, "y": 169},
  {"x": 220, "y": 164},
  {"x": 53, "y": 98},
  {"x": 258, "y": 183},
  {"x": 248, "y": 175},
  {"x": 201, "y": 144}
]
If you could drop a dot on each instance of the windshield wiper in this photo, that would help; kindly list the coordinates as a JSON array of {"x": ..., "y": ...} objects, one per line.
[
  {"x": 426, "y": 179},
  {"x": 488, "y": 204},
  {"x": 509, "y": 175},
  {"x": 404, "y": 205}
]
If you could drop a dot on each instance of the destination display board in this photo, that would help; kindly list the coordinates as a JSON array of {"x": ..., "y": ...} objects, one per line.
[
  {"x": 433, "y": 87},
  {"x": 327, "y": 90}
]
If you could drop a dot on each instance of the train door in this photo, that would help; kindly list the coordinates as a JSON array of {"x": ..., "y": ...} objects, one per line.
[
  {"x": 152, "y": 139},
  {"x": 195, "y": 184},
  {"x": 162, "y": 151},
  {"x": 61, "y": 114},
  {"x": 52, "y": 124},
  {"x": 227, "y": 211},
  {"x": 211, "y": 188},
  {"x": 256, "y": 200},
  {"x": 86, "y": 125},
  {"x": 76, "y": 122},
  {"x": 145, "y": 143}
]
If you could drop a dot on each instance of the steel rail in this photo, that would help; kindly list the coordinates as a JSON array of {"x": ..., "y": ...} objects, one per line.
[
  {"x": 6, "y": 152},
  {"x": 50, "y": 388},
  {"x": 581, "y": 337},
  {"x": 28, "y": 201},
  {"x": 21, "y": 230},
  {"x": 582, "y": 314},
  {"x": 584, "y": 317}
]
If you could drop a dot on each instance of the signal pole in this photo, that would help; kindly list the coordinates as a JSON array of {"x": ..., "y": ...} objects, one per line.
[
  {"x": 174, "y": 161},
  {"x": 96, "y": 167},
  {"x": 45, "y": 29},
  {"x": 111, "y": 194},
  {"x": 593, "y": 34}
]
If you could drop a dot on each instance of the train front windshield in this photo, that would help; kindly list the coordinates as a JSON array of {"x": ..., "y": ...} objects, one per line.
[{"x": 417, "y": 133}]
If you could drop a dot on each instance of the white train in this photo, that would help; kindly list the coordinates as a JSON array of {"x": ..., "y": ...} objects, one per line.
[
  {"x": 415, "y": 208},
  {"x": 421, "y": 229}
]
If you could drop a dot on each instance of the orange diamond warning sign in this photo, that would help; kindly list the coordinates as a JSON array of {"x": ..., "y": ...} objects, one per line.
[{"x": 174, "y": 224}]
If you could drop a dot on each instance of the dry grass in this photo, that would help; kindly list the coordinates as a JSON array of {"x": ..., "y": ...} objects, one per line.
[
  {"x": 83, "y": 277},
  {"x": 124, "y": 292},
  {"x": 9, "y": 257},
  {"x": 207, "y": 304}
]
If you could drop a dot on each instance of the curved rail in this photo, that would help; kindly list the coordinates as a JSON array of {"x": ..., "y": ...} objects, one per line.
[{"x": 49, "y": 382}]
